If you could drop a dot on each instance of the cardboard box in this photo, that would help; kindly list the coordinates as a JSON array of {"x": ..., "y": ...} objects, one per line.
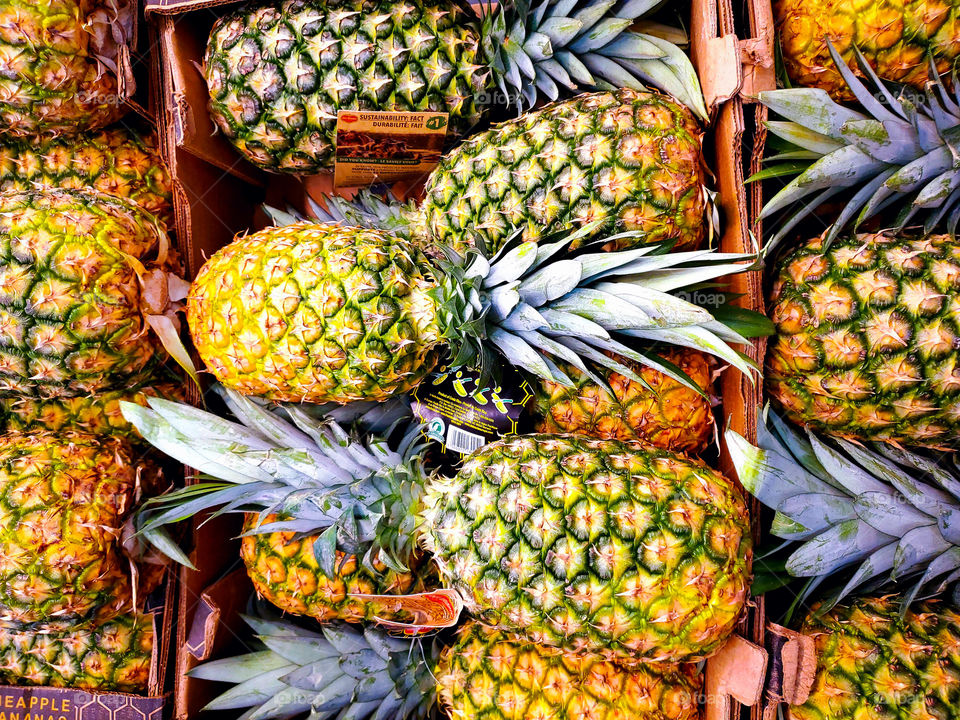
[{"x": 217, "y": 196}]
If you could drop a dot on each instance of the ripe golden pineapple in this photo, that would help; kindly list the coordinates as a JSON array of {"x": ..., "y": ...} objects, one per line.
[
  {"x": 284, "y": 569},
  {"x": 896, "y": 37},
  {"x": 114, "y": 656},
  {"x": 482, "y": 673},
  {"x": 64, "y": 498},
  {"x": 868, "y": 342},
  {"x": 662, "y": 412},
  {"x": 874, "y": 663},
  {"x": 116, "y": 161},
  {"x": 55, "y": 65},
  {"x": 324, "y": 313},
  {"x": 73, "y": 303}
]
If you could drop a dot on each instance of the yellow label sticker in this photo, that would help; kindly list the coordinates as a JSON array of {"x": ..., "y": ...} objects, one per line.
[{"x": 386, "y": 146}]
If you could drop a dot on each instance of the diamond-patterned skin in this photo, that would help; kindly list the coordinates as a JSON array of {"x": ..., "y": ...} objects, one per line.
[
  {"x": 594, "y": 546},
  {"x": 71, "y": 307},
  {"x": 116, "y": 161},
  {"x": 874, "y": 664},
  {"x": 63, "y": 500},
  {"x": 631, "y": 159},
  {"x": 278, "y": 74},
  {"x": 284, "y": 569},
  {"x": 51, "y": 82},
  {"x": 98, "y": 414},
  {"x": 112, "y": 657},
  {"x": 489, "y": 674},
  {"x": 661, "y": 412},
  {"x": 867, "y": 338},
  {"x": 896, "y": 36},
  {"x": 315, "y": 312}
]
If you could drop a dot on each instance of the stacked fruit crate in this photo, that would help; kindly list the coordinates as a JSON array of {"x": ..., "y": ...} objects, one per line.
[
  {"x": 641, "y": 159},
  {"x": 84, "y": 203}
]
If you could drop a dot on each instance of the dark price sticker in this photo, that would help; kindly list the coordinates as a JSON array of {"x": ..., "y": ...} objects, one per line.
[{"x": 462, "y": 416}]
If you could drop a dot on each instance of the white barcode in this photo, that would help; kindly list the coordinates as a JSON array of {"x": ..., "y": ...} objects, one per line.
[{"x": 462, "y": 441}]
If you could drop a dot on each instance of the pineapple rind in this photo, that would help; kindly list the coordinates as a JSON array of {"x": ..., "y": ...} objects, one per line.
[
  {"x": 114, "y": 656},
  {"x": 595, "y": 546},
  {"x": 897, "y": 37},
  {"x": 98, "y": 414},
  {"x": 63, "y": 500},
  {"x": 315, "y": 312},
  {"x": 278, "y": 74},
  {"x": 525, "y": 680},
  {"x": 50, "y": 80},
  {"x": 630, "y": 160},
  {"x": 873, "y": 663},
  {"x": 663, "y": 412},
  {"x": 284, "y": 570},
  {"x": 71, "y": 310},
  {"x": 867, "y": 338},
  {"x": 116, "y": 161}
]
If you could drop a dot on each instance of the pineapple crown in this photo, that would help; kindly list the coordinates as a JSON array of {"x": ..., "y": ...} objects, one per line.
[
  {"x": 337, "y": 672},
  {"x": 366, "y": 209},
  {"x": 852, "y": 505},
  {"x": 298, "y": 473},
  {"x": 904, "y": 152},
  {"x": 540, "y": 303},
  {"x": 536, "y": 48}
]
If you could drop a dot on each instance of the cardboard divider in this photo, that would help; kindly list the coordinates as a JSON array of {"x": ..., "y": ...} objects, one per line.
[
  {"x": 217, "y": 196},
  {"x": 727, "y": 66}
]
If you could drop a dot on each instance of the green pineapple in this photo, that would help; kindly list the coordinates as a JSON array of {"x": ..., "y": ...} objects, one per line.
[
  {"x": 113, "y": 657},
  {"x": 279, "y": 73},
  {"x": 594, "y": 546}
]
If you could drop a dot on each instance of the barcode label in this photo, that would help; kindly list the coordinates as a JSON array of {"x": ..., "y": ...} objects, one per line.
[{"x": 462, "y": 441}]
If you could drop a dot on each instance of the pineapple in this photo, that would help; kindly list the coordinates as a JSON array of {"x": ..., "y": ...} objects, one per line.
[
  {"x": 594, "y": 546},
  {"x": 864, "y": 515},
  {"x": 284, "y": 570},
  {"x": 660, "y": 410},
  {"x": 621, "y": 160},
  {"x": 482, "y": 673},
  {"x": 867, "y": 338},
  {"x": 631, "y": 159},
  {"x": 897, "y": 39},
  {"x": 321, "y": 313},
  {"x": 278, "y": 73},
  {"x": 94, "y": 414},
  {"x": 113, "y": 657},
  {"x": 64, "y": 499},
  {"x": 74, "y": 295},
  {"x": 874, "y": 662},
  {"x": 116, "y": 161},
  {"x": 893, "y": 152},
  {"x": 57, "y": 61}
]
